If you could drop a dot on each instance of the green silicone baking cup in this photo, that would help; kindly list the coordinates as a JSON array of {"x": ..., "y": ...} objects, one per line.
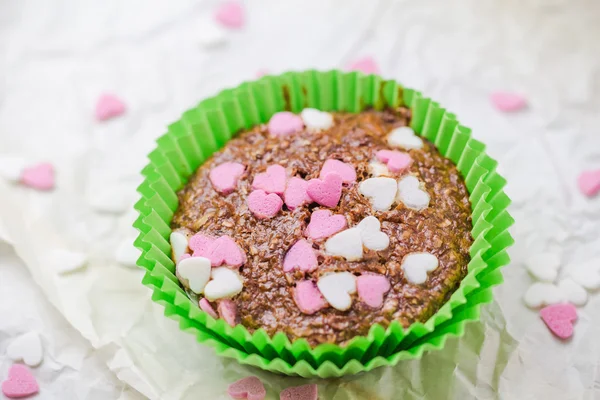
[{"x": 207, "y": 127}]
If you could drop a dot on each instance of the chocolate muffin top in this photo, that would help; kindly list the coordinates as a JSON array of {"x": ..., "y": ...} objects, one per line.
[{"x": 322, "y": 225}]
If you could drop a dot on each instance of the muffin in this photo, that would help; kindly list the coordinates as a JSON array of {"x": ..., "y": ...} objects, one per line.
[{"x": 320, "y": 225}]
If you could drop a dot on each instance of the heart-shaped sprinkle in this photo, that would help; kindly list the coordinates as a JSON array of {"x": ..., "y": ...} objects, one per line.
[
  {"x": 228, "y": 311},
  {"x": 587, "y": 274},
  {"x": 207, "y": 308},
  {"x": 366, "y": 65},
  {"x": 40, "y": 176},
  {"x": 589, "y": 182},
  {"x": 371, "y": 289},
  {"x": 194, "y": 273},
  {"x": 224, "y": 177},
  {"x": 380, "y": 191},
  {"x": 559, "y": 318},
  {"x": 26, "y": 348},
  {"x": 544, "y": 267},
  {"x": 405, "y": 138},
  {"x": 67, "y": 261},
  {"x": 304, "y": 392},
  {"x": 285, "y": 123},
  {"x": 508, "y": 102},
  {"x": 295, "y": 193},
  {"x": 378, "y": 169},
  {"x": 201, "y": 244},
  {"x": 230, "y": 14},
  {"x": 417, "y": 265},
  {"x": 223, "y": 250},
  {"x": 250, "y": 388},
  {"x": 301, "y": 256},
  {"x": 412, "y": 194},
  {"x": 573, "y": 292},
  {"x": 127, "y": 254},
  {"x": 323, "y": 224},
  {"x": 372, "y": 237},
  {"x": 308, "y": 298},
  {"x": 224, "y": 283},
  {"x": 337, "y": 288},
  {"x": 20, "y": 383},
  {"x": 327, "y": 191},
  {"x": 542, "y": 294},
  {"x": 272, "y": 181},
  {"x": 179, "y": 244},
  {"x": 396, "y": 161},
  {"x": 263, "y": 205},
  {"x": 316, "y": 120},
  {"x": 346, "y": 171},
  {"x": 11, "y": 167},
  {"x": 109, "y": 106},
  {"x": 347, "y": 244}
]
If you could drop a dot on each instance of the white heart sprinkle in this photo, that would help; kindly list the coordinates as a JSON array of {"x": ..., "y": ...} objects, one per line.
[
  {"x": 543, "y": 294},
  {"x": 337, "y": 289},
  {"x": 26, "y": 348},
  {"x": 543, "y": 267},
  {"x": 417, "y": 265},
  {"x": 573, "y": 292},
  {"x": 587, "y": 274},
  {"x": 412, "y": 194},
  {"x": 404, "y": 137},
  {"x": 347, "y": 244},
  {"x": 179, "y": 244},
  {"x": 316, "y": 120},
  {"x": 372, "y": 237},
  {"x": 113, "y": 201},
  {"x": 11, "y": 167},
  {"x": 377, "y": 168},
  {"x": 194, "y": 273},
  {"x": 127, "y": 254},
  {"x": 66, "y": 261},
  {"x": 210, "y": 34},
  {"x": 380, "y": 191},
  {"x": 224, "y": 283}
]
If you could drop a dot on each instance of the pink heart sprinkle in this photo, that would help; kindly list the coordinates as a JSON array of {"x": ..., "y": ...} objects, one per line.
[
  {"x": 559, "y": 319},
  {"x": 308, "y": 298},
  {"x": 224, "y": 177},
  {"x": 326, "y": 191},
  {"x": 272, "y": 181},
  {"x": 109, "y": 106},
  {"x": 230, "y": 14},
  {"x": 295, "y": 193},
  {"x": 184, "y": 256},
  {"x": 201, "y": 244},
  {"x": 323, "y": 224},
  {"x": 346, "y": 171},
  {"x": 366, "y": 65},
  {"x": 263, "y": 205},
  {"x": 207, "y": 308},
  {"x": 223, "y": 250},
  {"x": 508, "y": 102},
  {"x": 396, "y": 160},
  {"x": 302, "y": 256},
  {"x": 285, "y": 123},
  {"x": 250, "y": 388},
  {"x": 589, "y": 182},
  {"x": 40, "y": 176},
  {"x": 228, "y": 311},
  {"x": 305, "y": 392},
  {"x": 20, "y": 383},
  {"x": 371, "y": 289}
]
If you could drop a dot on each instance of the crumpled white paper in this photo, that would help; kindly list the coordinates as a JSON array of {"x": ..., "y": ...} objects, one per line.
[{"x": 57, "y": 63}]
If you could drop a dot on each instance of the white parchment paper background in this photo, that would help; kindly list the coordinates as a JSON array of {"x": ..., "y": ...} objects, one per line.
[{"x": 58, "y": 56}]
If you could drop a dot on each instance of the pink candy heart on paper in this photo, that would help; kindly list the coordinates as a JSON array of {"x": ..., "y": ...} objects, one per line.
[
  {"x": 20, "y": 383},
  {"x": 326, "y": 191},
  {"x": 224, "y": 177},
  {"x": 396, "y": 160},
  {"x": 263, "y": 205},
  {"x": 272, "y": 181},
  {"x": 295, "y": 193},
  {"x": 508, "y": 102},
  {"x": 223, "y": 250},
  {"x": 304, "y": 392},
  {"x": 230, "y": 14},
  {"x": 308, "y": 298},
  {"x": 40, "y": 176},
  {"x": 109, "y": 106},
  {"x": 589, "y": 182},
  {"x": 366, "y": 65},
  {"x": 323, "y": 224},
  {"x": 346, "y": 171},
  {"x": 250, "y": 388},
  {"x": 302, "y": 256},
  {"x": 207, "y": 308},
  {"x": 559, "y": 318},
  {"x": 285, "y": 123},
  {"x": 228, "y": 311},
  {"x": 371, "y": 289}
]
